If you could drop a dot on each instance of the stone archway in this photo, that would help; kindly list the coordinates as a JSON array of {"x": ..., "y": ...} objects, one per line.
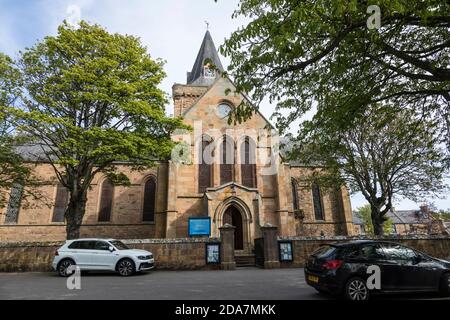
[
  {"x": 242, "y": 213},
  {"x": 233, "y": 216}
]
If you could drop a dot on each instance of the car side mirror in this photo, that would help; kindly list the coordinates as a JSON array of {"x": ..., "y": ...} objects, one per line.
[{"x": 111, "y": 249}]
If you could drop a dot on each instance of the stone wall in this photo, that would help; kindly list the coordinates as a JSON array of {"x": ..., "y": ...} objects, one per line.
[
  {"x": 303, "y": 247},
  {"x": 184, "y": 96},
  {"x": 35, "y": 223},
  {"x": 177, "y": 195},
  {"x": 171, "y": 254},
  {"x": 336, "y": 205},
  {"x": 57, "y": 232},
  {"x": 176, "y": 254},
  {"x": 189, "y": 254},
  {"x": 184, "y": 198},
  {"x": 321, "y": 228}
]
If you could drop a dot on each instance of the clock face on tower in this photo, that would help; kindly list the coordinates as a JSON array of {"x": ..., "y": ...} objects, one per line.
[
  {"x": 223, "y": 110},
  {"x": 209, "y": 72}
]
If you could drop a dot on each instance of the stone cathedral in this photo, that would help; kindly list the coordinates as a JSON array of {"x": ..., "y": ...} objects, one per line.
[{"x": 230, "y": 173}]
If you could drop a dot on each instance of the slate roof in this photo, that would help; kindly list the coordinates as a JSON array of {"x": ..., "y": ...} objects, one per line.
[
  {"x": 401, "y": 217},
  {"x": 207, "y": 51},
  {"x": 32, "y": 152},
  {"x": 356, "y": 219},
  {"x": 413, "y": 216}
]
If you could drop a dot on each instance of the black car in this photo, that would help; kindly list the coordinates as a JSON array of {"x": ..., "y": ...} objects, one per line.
[{"x": 347, "y": 269}]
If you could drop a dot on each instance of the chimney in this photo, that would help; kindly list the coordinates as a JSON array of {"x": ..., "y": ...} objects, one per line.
[
  {"x": 424, "y": 209},
  {"x": 424, "y": 212}
]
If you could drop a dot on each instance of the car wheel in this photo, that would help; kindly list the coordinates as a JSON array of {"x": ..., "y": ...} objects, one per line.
[
  {"x": 126, "y": 267},
  {"x": 63, "y": 267},
  {"x": 356, "y": 290},
  {"x": 445, "y": 285}
]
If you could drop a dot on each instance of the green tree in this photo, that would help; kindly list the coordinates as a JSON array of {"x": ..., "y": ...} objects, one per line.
[
  {"x": 442, "y": 214},
  {"x": 438, "y": 213},
  {"x": 383, "y": 155},
  {"x": 364, "y": 213},
  {"x": 12, "y": 167},
  {"x": 321, "y": 53},
  {"x": 91, "y": 100},
  {"x": 381, "y": 95}
]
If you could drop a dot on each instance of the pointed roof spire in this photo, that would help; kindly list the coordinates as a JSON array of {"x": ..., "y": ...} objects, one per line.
[{"x": 207, "y": 54}]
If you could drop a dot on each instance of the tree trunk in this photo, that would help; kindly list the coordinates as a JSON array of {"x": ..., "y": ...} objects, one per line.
[
  {"x": 74, "y": 215},
  {"x": 377, "y": 221}
]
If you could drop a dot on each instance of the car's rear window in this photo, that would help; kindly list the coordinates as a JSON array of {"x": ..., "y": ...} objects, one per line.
[
  {"x": 84, "y": 245},
  {"x": 74, "y": 245},
  {"x": 324, "y": 251}
]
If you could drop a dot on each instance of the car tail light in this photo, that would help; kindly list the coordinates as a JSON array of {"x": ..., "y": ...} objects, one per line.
[
  {"x": 332, "y": 264},
  {"x": 56, "y": 253}
]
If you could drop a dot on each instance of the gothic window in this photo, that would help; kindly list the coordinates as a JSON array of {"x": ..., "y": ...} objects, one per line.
[
  {"x": 106, "y": 200},
  {"x": 248, "y": 163},
  {"x": 14, "y": 203},
  {"x": 294, "y": 195},
  {"x": 205, "y": 166},
  {"x": 149, "y": 200},
  {"x": 61, "y": 201},
  {"x": 317, "y": 201},
  {"x": 226, "y": 160}
]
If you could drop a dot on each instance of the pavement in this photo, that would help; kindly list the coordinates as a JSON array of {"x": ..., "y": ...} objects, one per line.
[{"x": 241, "y": 284}]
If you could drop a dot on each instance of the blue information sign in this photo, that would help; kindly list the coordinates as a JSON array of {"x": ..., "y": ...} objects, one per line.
[{"x": 199, "y": 227}]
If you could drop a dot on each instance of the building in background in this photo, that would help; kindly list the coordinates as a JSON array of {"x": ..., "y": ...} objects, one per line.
[{"x": 406, "y": 222}]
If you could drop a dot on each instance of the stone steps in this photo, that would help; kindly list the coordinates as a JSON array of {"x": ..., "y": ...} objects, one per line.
[{"x": 245, "y": 260}]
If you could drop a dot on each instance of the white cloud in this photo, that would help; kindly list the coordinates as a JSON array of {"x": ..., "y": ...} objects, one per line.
[{"x": 73, "y": 14}]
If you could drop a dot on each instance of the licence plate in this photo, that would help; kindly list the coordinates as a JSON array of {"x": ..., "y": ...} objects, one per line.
[{"x": 313, "y": 279}]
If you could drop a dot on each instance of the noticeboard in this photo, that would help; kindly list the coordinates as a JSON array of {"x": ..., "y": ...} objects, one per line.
[
  {"x": 199, "y": 227},
  {"x": 285, "y": 250},
  {"x": 213, "y": 253}
]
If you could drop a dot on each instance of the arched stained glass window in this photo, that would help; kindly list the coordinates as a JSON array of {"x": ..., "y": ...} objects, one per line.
[
  {"x": 14, "y": 204},
  {"x": 248, "y": 163},
  {"x": 294, "y": 195},
  {"x": 149, "y": 200},
  {"x": 226, "y": 160},
  {"x": 61, "y": 201},
  {"x": 205, "y": 166},
  {"x": 317, "y": 201},
  {"x": 106, "y": 201}
]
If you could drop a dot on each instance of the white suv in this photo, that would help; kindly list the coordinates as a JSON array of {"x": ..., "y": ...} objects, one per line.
[{"x": 101, "y": 254}]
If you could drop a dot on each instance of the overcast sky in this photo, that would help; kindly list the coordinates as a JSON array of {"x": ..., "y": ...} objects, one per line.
[{"x": 171, "y": 30}]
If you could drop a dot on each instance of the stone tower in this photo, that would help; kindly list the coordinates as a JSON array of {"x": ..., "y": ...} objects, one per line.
[{"x": 206, "y": 70}]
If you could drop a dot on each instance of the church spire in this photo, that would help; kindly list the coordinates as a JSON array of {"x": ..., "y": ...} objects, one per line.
[{"x": 207, "y": 65}]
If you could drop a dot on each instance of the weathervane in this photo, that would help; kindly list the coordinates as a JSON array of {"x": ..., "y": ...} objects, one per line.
[{"x": 207, "y": 25}]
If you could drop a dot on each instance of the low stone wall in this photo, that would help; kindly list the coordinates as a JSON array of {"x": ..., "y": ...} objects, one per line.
[
  {"x": 177, "y": 254},
  {"x": 57, "y": 232},
  {"x": 189, "y": 254},
  {"x": 172, "y": 254},
  {"x": 303, "y": 247},
  {"x": 22, "y": 257}
]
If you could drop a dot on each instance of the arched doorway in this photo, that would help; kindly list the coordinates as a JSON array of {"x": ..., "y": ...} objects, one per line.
[{"x": 233, "y": 216}]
